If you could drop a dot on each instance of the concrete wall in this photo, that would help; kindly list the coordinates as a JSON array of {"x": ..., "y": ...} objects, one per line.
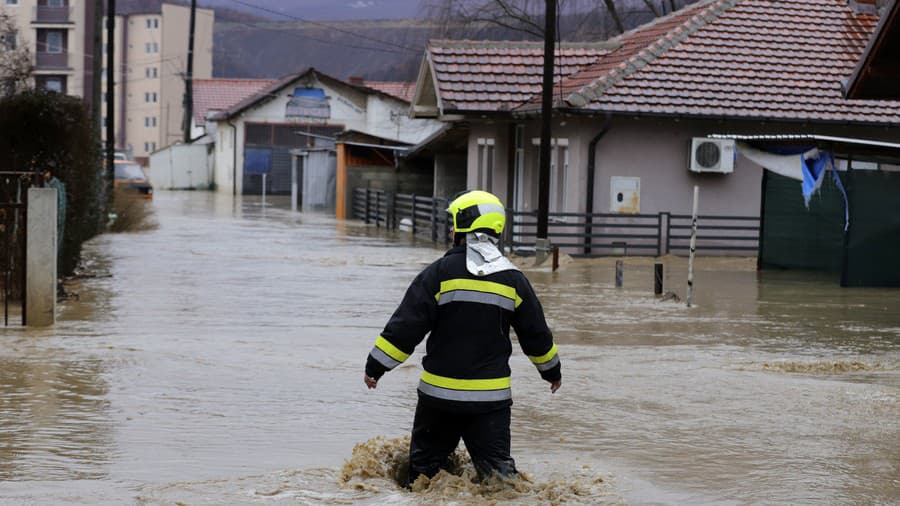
[
  {"x": 449, "y": 174},
  {"x": 40, "y": 270},
  {"x": 389, "y": 118},
  {"x": 181, "y": 167}
]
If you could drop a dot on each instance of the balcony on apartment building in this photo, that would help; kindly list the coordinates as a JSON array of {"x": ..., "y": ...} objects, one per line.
[
  {"x": 52, "y": 12},
  {"x": 52, "y": 49},
  {"x": 51, "y": 61}
]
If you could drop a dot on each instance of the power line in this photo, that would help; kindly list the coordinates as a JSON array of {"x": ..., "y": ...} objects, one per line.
[
  {"x": 326, "y": 25},
  {"x": 314, "y": 39}
]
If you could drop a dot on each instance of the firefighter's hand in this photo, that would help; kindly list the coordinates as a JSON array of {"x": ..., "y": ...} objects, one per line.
[
  {"x": 554, "y": 386},
  {"x": 370, "y": 381}
]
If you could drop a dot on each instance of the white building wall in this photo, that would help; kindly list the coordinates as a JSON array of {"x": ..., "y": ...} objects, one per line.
[{"x": 350, "y": 109}]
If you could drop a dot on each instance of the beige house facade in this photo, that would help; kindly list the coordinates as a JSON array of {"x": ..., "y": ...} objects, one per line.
[
  {"x": 151, "y": 65},
  {"x": 58, "y": 34}
]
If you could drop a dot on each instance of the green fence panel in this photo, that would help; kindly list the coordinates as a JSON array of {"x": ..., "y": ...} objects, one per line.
[
  {"x": 794, "y": 237},
  {"x": 874, "y": 244}
]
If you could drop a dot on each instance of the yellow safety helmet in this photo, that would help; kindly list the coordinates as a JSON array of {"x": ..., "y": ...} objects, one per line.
[{"x": 476, "y": 210}]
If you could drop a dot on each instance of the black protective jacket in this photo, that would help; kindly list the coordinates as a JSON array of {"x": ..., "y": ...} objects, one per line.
[{"x": 466, "y": 366}]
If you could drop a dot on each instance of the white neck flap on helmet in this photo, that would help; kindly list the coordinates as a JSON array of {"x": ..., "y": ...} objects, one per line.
[{"x": 483, "y": 257}]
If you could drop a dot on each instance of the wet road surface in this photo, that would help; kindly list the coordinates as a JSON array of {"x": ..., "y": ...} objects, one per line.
[{"x": 219, "y": 359}]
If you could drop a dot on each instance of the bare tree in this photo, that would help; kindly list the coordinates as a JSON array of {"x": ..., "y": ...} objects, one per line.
[
  {"x": 580, "y": 19},
  {"x": 15, "y": 58},
  {"x": 652, "y": 6}
]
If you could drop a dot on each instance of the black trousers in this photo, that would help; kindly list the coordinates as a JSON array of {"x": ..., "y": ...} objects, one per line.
[{"x": 436, "y": 434}]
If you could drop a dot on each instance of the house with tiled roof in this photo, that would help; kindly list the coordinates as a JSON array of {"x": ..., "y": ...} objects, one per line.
[
  {"x": 627, "y": 111},
  {"x": 261, "y": 138},
  {"x": 212, "y": 96},
  {"x": 878, "y": 72}
]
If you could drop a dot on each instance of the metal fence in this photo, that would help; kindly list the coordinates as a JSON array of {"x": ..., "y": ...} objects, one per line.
[
  {"x": 13, "y": 218},
  {"x": 579, "y": 234}
]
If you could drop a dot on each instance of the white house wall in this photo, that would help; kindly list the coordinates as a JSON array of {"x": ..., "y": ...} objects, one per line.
[
  {"x": 350, "y": 109},
  {"x": 389, "y": 118}
]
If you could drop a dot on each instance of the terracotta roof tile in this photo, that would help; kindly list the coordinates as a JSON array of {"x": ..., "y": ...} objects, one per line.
[
  {"x": 403, "y": 91},
  {"x": 495, "y": 76},
  {"x": 720, "y": 58},
  {"x": 738, "y": 58},
  {"x": 220, "y": 94}
]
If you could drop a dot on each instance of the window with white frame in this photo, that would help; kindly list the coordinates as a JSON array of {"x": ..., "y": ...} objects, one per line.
[
  {"x": 148, "y": 47},
  {"x": 156, "y": 23},
  {"x": 155, "y": 47},
  {"x": 485, "y": 175},
  {"x": 12, "y": 2},
  {"x": 54, "y": 41},
  {"x": 519, "y": 167},
  {"x": 559, "y": 169}
]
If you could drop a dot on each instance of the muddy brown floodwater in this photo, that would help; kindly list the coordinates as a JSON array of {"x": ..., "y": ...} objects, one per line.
[{"x": 219, "y": 359}]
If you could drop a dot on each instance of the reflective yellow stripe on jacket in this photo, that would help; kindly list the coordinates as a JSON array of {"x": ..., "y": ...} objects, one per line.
[
  {"x": 547, "y": 360},
  {"x": 387, "y": 354},
  {"x": 477, "y": 290},
  {"x": 469, "y": 390}
]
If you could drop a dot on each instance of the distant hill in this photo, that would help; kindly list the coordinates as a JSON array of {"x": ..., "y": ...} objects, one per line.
[{"x": 377, "y": 50}]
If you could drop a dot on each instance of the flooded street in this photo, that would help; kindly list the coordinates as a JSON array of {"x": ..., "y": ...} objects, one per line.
[{"x": 219, "y": 360}]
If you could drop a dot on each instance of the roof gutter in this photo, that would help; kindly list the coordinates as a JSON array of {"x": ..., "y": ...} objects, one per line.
[{"x": 591, "y": 173}]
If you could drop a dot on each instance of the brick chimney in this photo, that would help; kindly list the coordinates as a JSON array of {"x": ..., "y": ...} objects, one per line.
[{"x": 356, "y": 80}]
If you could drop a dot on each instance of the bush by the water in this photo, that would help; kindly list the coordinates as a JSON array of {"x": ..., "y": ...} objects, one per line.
[
  {"x": 132, "y": 213},
  {"x": 40, "y": 130}
]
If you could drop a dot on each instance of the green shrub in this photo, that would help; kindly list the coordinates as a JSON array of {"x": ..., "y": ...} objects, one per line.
[{"x": 40, "y": 130}]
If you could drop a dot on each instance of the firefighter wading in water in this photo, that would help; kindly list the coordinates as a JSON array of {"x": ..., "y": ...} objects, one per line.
[{"x": 467, "y": 300}]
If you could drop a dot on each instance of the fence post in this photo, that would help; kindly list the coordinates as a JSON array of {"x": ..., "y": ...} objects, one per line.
[
  {"x": 690, "y": 283},
  {"x": 659, "y": 219},
  {"x": 668, "y": 231},
  {"x": 389, "y": 209},
  {"x": 433, "y": 220},
  {"x": 377, "y": 209},
  {"x": 367, "y": 207},
  {"x": 413, "y": 212},
  {"x": 658, "y": 279}
]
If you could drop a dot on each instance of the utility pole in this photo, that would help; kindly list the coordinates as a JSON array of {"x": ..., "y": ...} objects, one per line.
[
  {"x": 189, "y": 76},
  {"x": 97, "y": 70},
  {"x": 110, "y": 97},
  {"x": 542, "y": 246}
]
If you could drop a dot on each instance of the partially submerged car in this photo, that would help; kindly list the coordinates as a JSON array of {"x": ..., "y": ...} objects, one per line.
[{"x": 131, "y": 178}]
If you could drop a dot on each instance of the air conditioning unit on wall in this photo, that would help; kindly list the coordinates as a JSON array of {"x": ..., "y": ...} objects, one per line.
[{"x": 712, "y": 155}]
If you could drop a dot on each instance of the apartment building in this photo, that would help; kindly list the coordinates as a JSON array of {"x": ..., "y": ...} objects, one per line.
[
  {"x": 58, "y": 32},
  {"x": 151, "y": 62}
]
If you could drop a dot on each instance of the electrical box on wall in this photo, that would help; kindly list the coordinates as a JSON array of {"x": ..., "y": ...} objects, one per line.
[
  {"x": 625, "y": 195},
  {"x": 712, "y": 155}
]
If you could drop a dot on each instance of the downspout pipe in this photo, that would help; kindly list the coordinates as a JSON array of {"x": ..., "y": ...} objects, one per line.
[
  {"x": 591, "y": 176},
  {"x": 233, "y": 157}
]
